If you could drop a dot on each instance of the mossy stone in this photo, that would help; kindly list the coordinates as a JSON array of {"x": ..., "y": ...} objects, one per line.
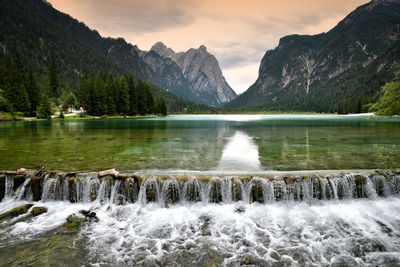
[
  {"x": 38, "y": 210},
  {"x": 15, "y": 212},
  {"x": 360, "y": 178},
  {"x": 72, "y": 225}
]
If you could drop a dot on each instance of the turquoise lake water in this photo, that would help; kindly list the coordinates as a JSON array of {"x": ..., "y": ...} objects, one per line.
[{"x": 241, "y": 143}]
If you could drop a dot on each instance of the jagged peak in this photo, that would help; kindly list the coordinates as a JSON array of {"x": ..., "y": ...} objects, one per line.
[
  {"x": 158, "y": 45},
  {"x": 203, "y": 48},
  {"x": 161, "y": 49}
]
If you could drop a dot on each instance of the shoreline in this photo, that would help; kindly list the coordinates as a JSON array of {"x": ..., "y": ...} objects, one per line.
[{"x": 6, "y": 117}]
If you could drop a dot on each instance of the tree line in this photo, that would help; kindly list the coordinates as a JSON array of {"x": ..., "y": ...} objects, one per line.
[
  {"x": 99, "y": 94},
  {"x": 106, "y": 94}
]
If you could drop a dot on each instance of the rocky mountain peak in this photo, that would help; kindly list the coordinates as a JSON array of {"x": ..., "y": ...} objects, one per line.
[
  {"x": 203, "y": 48},
  {"x": 161, "y": 49},
  {"x": 201, "y": 74}
]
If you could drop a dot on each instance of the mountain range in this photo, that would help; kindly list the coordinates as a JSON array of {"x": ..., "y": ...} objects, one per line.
[
  {"x": 321, "y": 72},
  {"x": 194, "y": 74},
  {"x": 36, "y": 29}
]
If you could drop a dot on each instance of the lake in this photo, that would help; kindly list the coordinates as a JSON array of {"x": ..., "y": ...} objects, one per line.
[{"x": 222, "y": 143}]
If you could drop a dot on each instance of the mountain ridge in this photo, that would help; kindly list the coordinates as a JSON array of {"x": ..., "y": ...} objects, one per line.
[
  {"x": 201, "y": 73},
  {"x": 306, "y": 72}
]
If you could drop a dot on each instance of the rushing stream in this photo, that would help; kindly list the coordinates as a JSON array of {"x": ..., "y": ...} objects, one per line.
[{"x": 338, "y": 220}]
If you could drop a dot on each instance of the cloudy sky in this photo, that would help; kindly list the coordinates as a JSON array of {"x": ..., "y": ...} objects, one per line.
[{"x": 237, "y": 32}]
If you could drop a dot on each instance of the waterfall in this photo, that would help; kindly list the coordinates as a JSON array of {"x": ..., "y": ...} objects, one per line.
[
  {"x": 171, "y": 191},
  {"x": 280, "y": 190},
  {"x": 293, "y": 188},
  {"x": 9, "y": 187},
  {"x": 87, "y": 188},
  {"x": 50, "y": 188},
  {"x": 22, "y": 191},
  {"x": 259, "y": 190},
  {"x": 192, "y": 190},
  {"x": 149, "y": 191}
]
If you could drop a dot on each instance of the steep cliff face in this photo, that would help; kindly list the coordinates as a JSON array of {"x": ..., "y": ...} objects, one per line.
[
  {"x": 315, "y": 73},
  {"x": 194, "y": 74},
  {"x": 168, "y": 74}
]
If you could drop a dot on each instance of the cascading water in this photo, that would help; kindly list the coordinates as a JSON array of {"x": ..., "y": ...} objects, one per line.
[
  {"x": 316, "y": 220},
  {"x": 9, "y": 185},
  {"x": 192, "y": 190},
  {"x": 171, "y": 191},
  {"x": 89, "y": 188}
]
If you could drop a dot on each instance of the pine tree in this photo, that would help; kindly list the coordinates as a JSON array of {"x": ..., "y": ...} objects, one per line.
[
  {"x": 13, "y": 81},
  {"x": 53, "y": 76},
  {"x": 149, "y": 100},
  {"x": 110, "y": 94},
  {"x": 132, "y": 96},
  {"x": 161, "y": 107},
  {"x": 44, "y": 109},
  {"x": 123, "y": 96},
  {"x": 141, "y": 98},
  {"x": 33, "y": 92}
]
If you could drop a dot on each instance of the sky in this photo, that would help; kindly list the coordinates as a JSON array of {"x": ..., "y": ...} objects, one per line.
[{"x": 236, "y": 32}]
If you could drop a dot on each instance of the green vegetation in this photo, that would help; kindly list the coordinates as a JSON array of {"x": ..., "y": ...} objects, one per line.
[
  {"x": 104, "y": 94},
  {"x": 59, "y": 51},
  {"x": 389, "y": 103},
  {"x": 44, "y": 109},
  {"x": 161, "y": 107}
]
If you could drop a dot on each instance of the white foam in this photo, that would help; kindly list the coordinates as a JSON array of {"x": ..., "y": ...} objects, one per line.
[{"x": 360, "y": 231}]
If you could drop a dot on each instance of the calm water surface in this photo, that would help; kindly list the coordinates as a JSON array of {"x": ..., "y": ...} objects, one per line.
[{"x": 203, "y": 143}]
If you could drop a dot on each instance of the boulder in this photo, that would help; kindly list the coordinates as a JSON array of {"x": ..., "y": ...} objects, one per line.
[
  {"x": 36, "y": 186},
  {"x": 15, "y": 212},
  {"x": 36, "y": 211},
  {"x": 18, "y": 181}
]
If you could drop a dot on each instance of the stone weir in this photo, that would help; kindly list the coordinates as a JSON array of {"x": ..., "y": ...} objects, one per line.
[{"x": 128, "y": 187}]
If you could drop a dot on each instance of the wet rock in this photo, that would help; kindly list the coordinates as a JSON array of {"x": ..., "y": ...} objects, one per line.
[
  {"x": 36, "y": 186},
  {"x": 18, "y": 181},
  {"x": 15, "y": 212},
  {"x": 192, "y": 191},
  {"x": 215, "y": 193},
  {"x": 36, "y": 211},
  {"x": 240, "y": 209},
  {"x": 90, "y": 215},
  {"x": 205, "y": 226},
  {"x": 84, "y": 212},
  {"x": 72, "y": 225},
  {"x": 256, "y": 194},
  {"x": 247, "y": 261},
  {"x": 236, "y": 190},
  {"x": 132, "y": 189},
  {"x": 2, "y": 186},
  {"x": 73, "y": 194}
]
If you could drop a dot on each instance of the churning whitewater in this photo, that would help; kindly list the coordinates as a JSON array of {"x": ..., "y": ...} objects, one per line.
[{"x": 351, "y": 220}]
